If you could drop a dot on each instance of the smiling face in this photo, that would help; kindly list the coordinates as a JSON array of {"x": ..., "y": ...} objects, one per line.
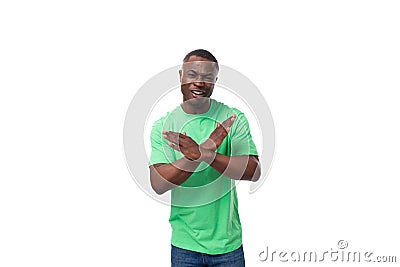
[{"x": 198, "y": 76}]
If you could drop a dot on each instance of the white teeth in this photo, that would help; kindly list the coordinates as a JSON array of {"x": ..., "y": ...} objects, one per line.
[{"x": 198, "y": 92}]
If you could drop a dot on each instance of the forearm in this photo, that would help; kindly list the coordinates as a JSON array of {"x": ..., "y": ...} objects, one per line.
[
  {"x": 237, "y": 167},
  {"x": 167, "y": 176}
]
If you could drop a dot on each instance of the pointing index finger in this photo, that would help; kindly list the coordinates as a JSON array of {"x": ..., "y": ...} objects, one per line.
[{"x": 229, "y": 121}]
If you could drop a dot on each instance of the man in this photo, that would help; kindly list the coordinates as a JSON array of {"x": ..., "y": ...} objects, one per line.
[{"x": 198, "y": 150}]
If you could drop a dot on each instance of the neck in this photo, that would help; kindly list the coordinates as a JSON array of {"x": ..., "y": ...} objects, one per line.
[{"x": 191, "y": 107}]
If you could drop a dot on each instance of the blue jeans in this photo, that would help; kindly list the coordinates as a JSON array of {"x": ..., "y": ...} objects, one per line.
[{"x": 186, "y": 258}]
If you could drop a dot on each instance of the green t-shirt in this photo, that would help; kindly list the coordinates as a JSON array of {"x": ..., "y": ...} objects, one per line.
[{"x": 204, "y": 209}]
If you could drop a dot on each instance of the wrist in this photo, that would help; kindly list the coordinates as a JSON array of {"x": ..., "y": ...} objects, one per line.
[{"x": 208, "y": 156}]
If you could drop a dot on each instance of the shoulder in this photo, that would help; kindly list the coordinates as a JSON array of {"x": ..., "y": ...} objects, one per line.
[
  {"x": 240, "y": 124},
  {"x": 161, "y": 121},
  {"x": 229, "y": 111}
]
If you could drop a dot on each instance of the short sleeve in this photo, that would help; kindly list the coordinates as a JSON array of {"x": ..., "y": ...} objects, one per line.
[
  {"x": 241, "y": 139},
  {"x": 161, "y": 152}
]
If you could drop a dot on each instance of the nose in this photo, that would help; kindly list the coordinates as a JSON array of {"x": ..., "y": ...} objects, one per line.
[{"x": 199, "y": 84}]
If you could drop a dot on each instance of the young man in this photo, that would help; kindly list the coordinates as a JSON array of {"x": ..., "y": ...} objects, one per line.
[{"x": 198, "y": 150}]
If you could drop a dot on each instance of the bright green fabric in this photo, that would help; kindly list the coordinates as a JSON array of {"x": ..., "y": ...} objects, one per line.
[{"x": 204, "y": 211}]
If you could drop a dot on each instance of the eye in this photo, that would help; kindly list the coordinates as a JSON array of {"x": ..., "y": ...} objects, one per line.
[{"x": 209, "y": 79}]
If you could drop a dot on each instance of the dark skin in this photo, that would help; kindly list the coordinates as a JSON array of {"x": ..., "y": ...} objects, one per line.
[
  {"x": 195, "y": 76},
  {"x": 164, "y": 177}
]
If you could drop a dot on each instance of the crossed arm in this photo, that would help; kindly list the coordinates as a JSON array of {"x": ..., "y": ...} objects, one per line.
[{"x": 164, "y": 177}]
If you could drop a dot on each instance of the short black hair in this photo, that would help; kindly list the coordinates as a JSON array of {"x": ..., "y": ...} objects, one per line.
[{"x": 201, "y": 53}]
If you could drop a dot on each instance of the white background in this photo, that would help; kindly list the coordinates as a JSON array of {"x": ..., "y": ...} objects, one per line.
[{"x": 329, "y": 71}]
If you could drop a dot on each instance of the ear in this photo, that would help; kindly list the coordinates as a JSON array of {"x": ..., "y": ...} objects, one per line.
[
  {"x": 180, "y": 75},
  {"x": 216, "y": 79}
]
